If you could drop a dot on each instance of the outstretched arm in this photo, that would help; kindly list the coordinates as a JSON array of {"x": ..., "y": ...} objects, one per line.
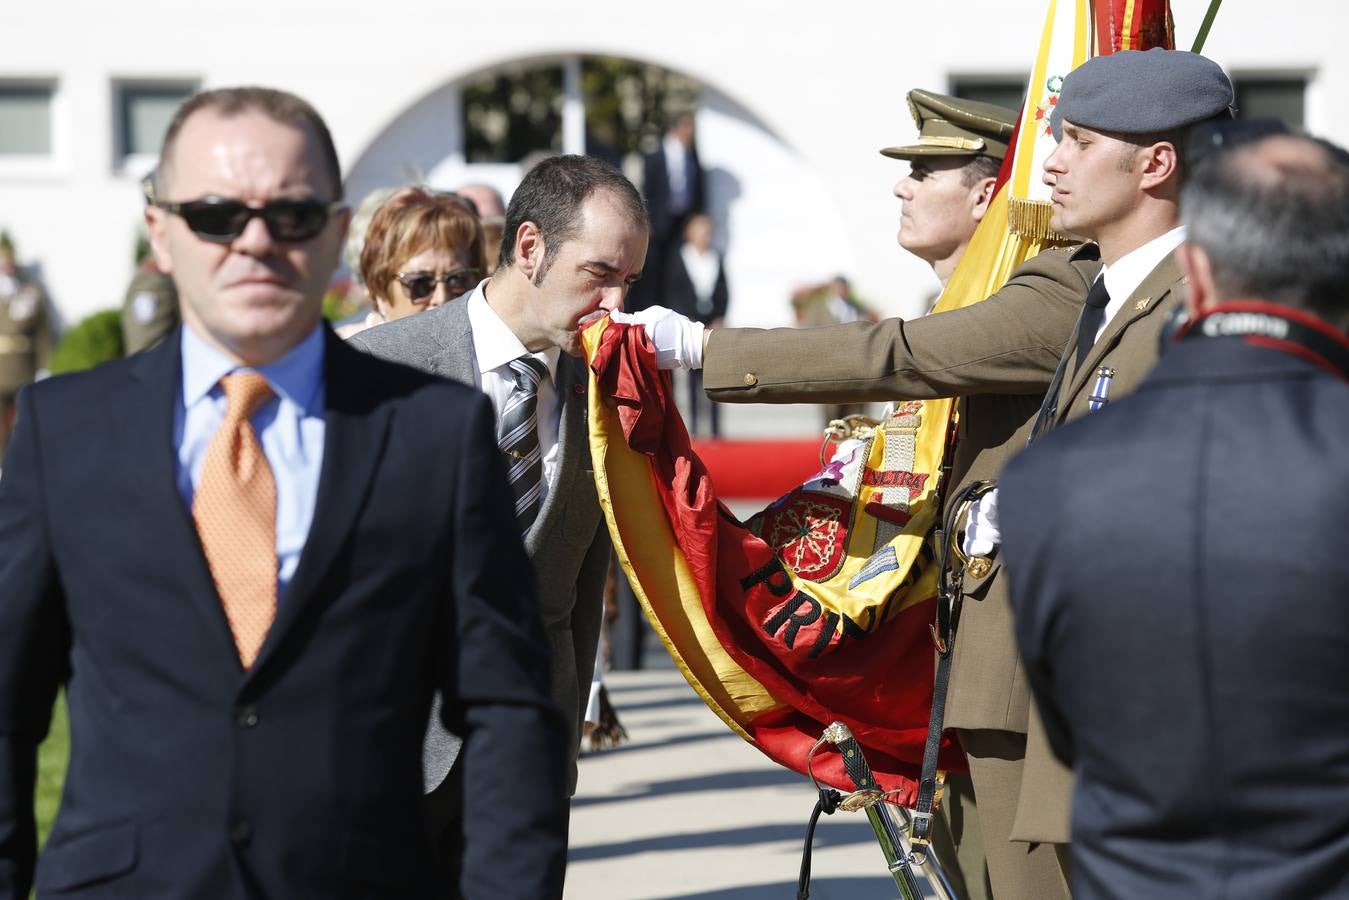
[{"x": 1009, "y": 343}]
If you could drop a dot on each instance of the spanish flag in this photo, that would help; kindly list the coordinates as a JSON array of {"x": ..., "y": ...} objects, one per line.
[{"x": 817, "y": 609}]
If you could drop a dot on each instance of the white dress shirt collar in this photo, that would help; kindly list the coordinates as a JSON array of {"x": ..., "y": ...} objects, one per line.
[
  {"x": 1124, "y": 276},
  {"x": 494, "y": 344}
]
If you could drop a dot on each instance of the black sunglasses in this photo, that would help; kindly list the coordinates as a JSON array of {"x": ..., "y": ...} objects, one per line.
[
  {"x": 420, "y": 285},
  {"x": 222, "y": 220}
]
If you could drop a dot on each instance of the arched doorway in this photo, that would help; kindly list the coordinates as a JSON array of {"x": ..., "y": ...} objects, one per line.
[{"x": 777, "y": 223}]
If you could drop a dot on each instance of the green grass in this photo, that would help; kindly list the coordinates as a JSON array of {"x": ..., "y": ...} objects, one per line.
[{"x": 51, "y": 769}]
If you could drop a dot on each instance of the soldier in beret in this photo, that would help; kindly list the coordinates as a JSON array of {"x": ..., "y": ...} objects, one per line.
[
  {"x": 25, "y": 333},
  {"x": 1081, "y": 324}
]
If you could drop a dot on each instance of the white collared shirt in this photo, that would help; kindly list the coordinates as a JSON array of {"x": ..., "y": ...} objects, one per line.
[
  {"x": 676, "y": 170},
  {"x": 703, "y": 269},
  {"x": 494, "y": 346},
  {"x": 1124, "y": 276}
]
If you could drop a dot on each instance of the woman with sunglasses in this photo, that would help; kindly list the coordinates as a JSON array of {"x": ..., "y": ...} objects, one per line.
[{"x": 424, "y": 248}]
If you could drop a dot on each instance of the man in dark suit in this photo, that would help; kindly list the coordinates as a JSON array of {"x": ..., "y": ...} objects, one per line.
[
  {"x": 573, "y": 244},
  {"x": 1180, "y": 561},
  {"x": 250, "y": 555},
  {"x": 673, "y": 184}
]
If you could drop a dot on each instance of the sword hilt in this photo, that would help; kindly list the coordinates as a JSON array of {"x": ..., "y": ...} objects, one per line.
[{"x": 854, "y": 762}]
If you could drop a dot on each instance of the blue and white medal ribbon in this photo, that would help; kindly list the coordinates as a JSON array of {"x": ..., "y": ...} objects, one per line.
[{"x": 1100, "y": 394}]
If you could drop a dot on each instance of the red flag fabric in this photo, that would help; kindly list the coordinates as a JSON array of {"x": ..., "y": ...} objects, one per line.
[{"x": 799, "y": 663}]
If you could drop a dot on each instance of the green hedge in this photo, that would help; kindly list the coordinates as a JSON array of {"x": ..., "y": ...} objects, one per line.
[
  {"x": 51, "y": 769},
  {"x": 97, "y": 339}
]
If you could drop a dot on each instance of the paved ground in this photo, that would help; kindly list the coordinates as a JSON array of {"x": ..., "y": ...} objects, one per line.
[{"x": 687, "y": 809}]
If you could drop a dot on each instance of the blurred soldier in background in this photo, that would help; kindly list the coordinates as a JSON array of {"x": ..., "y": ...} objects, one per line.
[{"x": 25, "y": 333}]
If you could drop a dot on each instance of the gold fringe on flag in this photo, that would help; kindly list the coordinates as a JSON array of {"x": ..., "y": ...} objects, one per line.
[{"x": 1030, "y": 219}]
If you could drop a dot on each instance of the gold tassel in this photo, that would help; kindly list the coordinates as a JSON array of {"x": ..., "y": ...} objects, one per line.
[{"x": 1030, "y": 219}]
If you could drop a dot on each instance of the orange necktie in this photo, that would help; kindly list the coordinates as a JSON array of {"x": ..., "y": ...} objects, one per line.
[{"x": 235, "y": 512}]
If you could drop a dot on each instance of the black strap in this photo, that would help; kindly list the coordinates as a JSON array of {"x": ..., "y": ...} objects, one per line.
[
  {"x": 1089, "y": 321},
  {"x": 949, "y": 599},
  {"x": 828, "y": 802},
  {"x": 1049, "y": 407}
]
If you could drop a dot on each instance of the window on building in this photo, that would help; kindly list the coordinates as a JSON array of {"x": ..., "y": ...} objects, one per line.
[
  {"x": 510, "y": 115},
  {"x": 1008, "y": 92},
  {"x": 26, "y": 118},
  {"x": 1265, "y": 97},
  {"x": 629, "y": 105},
  {"x": 144, "y": 110}
]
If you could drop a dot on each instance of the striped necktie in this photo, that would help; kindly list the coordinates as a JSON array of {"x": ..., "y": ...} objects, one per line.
[
  {"x": 519, "y": 438},
  {"x": 235, "y": 512}
]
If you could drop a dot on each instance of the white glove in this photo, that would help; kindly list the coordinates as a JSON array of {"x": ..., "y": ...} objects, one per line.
[
  {"x": 982, "y": 534},
  {"x": 678, "y": 339}
]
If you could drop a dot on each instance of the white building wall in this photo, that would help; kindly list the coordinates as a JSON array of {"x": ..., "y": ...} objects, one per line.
[{"x": 826, "y": 82}]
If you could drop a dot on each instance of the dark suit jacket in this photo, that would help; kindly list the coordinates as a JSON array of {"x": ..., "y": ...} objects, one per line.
[
  {"x": 301, "y": 777},
  {"x": 679, "y": 293},
  {"x": 1180, "y": 567},
  {"x": 656, "y": 188}
]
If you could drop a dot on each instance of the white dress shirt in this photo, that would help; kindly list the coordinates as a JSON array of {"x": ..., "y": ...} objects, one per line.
[
  {"x": 703, "y": 269},
  {"x": 494, "y": 346},
  {"x": 1121, "y": 280},
  {"x": 676, "y": 171}
]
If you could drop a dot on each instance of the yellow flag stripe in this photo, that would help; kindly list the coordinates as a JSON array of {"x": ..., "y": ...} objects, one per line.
[
  {"x": 656, "y": 567},
  {"x": 1126, "y": 32}
]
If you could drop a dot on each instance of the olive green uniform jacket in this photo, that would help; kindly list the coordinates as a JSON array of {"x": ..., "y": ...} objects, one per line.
[
  {"x": 149, "y": 310},
  {"x": 999, "y": 356},
  {"x": 25, "y": 338},
  {"x": 1129, "y": 346}
]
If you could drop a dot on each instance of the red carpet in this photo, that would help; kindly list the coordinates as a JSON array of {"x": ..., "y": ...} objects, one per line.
[{"x": 758, "y": 469}]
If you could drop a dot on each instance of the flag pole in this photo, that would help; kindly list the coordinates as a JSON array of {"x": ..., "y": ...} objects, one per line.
[{"x": 1205, "y": 26}]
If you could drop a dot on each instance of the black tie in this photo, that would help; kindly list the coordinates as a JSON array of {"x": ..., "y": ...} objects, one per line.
[
  {"x": 519, "y": 438},
  {"x": 1093, "y": 314}
]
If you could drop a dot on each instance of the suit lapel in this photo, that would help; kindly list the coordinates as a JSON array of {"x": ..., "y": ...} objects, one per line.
[
  {"x": 1147, "y": 297},
  {"x": 572, "y": 450},
  {"x": 149, "y": 460},
  {"x": 356, "y": 424},
  {"x": 455, "y": 358}
]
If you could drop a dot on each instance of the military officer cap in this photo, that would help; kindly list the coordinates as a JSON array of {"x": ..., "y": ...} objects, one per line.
[
  {"x": 1142, "y": 92},
  {"x": 950, "y": 126}
]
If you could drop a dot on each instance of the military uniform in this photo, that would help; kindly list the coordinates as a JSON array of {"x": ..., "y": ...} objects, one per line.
[
  {"x": 25, "y": 341},
  {"x": 150, "y": 309},
  {"x": 998, "y": 355},
  {"x": 961, "y": 353},
  {"x": 998, "y": 346}
]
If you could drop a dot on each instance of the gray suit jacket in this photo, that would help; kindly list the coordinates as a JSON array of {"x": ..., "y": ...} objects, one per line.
[{"x": 568, "y": 542}]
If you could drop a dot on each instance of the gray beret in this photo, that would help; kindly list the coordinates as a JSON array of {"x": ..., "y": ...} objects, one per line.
[{"x": 1141, "y": 92}]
